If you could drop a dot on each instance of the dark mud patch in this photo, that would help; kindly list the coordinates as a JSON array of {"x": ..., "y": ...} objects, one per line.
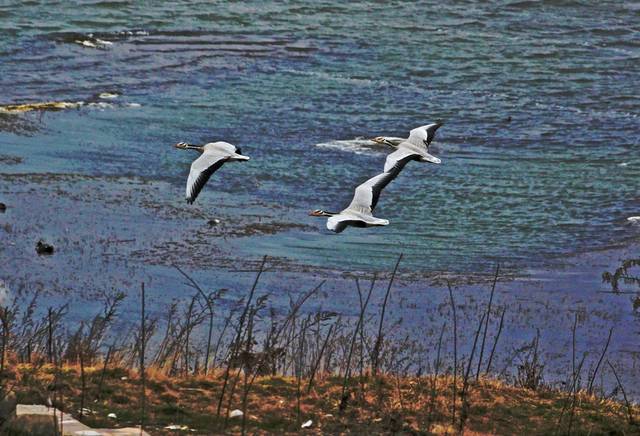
[
  {"x": 6, "y": 159},
  {"x": 133, "y": 219},
  {"x": 270, "y": 228},
  {"x": 18, "y": 125}
]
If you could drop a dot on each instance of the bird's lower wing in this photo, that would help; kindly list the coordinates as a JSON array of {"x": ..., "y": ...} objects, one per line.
[
  {"x": 399, "y": 158},
  {"x": 201, "y": 170},
  {"x": 367, "y": 194}
]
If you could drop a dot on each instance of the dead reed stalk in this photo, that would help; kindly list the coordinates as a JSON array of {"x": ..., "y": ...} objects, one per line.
[
  {"x": 595, "y": 371},
  {"x": 495, "y": 342},
  {"x": 455, "y": 354},
  {"x": 465, "y": 383},
  {"x": 487, "y": 317},
  {"x": 344, "y": 396},
  {"x": 624, "y": 394},
  {"x": 434, "y": 379},
  {"x": 143, "y": 336},
  {"x": 235, "y": 347},
  {"x": 379, "y": 338},
  {"x": 318, "y": 358}
]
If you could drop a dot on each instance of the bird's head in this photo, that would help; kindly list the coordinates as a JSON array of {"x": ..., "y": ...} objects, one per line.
[
  {"x": 319, "y": 212},
  {"x": 187, "y": 146},
  {"x": 382, "y": 141}
]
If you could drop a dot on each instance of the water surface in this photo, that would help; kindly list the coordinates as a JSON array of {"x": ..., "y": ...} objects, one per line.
[{"x": 539, "y": 99}]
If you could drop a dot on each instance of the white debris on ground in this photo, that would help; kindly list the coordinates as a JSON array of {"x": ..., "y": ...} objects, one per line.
[
  {"x": 177, "y": 427},
  {"x": 235, "y": 413},
  {"x": 112, "y": 416},
  {"x": 307, "y": 424}
]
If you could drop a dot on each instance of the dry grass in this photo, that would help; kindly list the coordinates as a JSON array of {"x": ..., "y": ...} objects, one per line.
[{"x": 377, "y": 405}]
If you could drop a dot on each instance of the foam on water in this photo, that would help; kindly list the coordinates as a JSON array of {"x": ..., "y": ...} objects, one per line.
[
  {"x": 108, "y": 95},
  {"x": 357, "y": 146}
]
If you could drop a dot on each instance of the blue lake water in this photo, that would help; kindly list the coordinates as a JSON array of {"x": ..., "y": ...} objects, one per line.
[{"x": 540, "y": 102}]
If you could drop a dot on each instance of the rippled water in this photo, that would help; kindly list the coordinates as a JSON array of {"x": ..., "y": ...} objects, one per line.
[{"x": 540, "y": 103}]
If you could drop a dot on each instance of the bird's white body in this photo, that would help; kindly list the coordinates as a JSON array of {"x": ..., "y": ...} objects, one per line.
[
  {"x": 214, "y": 155},
  {"x": 359, "y": 213},
  {"x": 338, "y": 223},
  {"x": 415, "y": 147}
]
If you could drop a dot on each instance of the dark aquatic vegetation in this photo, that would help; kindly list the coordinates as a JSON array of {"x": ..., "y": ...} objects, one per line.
[{"x": 44, "y": 248}]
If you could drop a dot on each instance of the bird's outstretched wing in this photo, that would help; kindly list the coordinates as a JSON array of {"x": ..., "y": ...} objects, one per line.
[
  {"x": 201, "y": 170},
  {"x": 367, "y": 194},
  {"x": 399, "y": 158},
  {"x": 419, "y": 135}
]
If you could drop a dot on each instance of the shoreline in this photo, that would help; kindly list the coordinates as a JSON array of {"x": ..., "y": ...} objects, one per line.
[{"x": 99, "y": 248}]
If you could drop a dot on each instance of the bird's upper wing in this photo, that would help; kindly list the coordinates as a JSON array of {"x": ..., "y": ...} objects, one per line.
[
  {"x": 420, "y": 134},
  {"x": 222, "y": 147},
  {"x": 417, "y": 137},
  {"x": 367, "y": 194},
  {"x": 399, "y": 158},
  {"x": 201, "y": 170}
]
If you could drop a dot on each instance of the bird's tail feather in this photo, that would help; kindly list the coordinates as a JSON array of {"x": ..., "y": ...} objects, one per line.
[
  {"x": 430, "y": 158},
  {"x": 237, "y": 156}
]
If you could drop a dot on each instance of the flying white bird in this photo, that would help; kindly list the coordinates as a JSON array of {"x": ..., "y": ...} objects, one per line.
[
  {"x": 416, "y": 147},
  {"x": 394, "y": 141},
  {"x": 214, "y": 155},
  {"x": 360, "y": 212}
]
